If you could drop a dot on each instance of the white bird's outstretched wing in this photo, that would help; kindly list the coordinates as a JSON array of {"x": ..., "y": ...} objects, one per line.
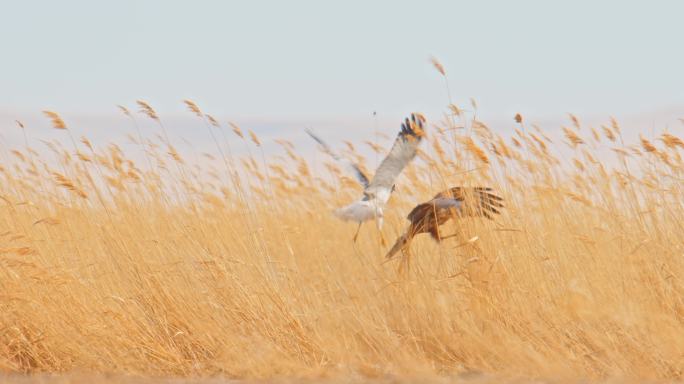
[
  {"x": 351, "y": 167},
  {"x": 402, "y": 152}
]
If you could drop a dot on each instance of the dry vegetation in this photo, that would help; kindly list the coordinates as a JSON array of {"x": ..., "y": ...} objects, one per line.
[{"x": 237, "y": 267}]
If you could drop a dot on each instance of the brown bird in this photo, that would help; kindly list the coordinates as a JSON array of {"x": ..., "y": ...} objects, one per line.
[{"x": 455, "y": 202}]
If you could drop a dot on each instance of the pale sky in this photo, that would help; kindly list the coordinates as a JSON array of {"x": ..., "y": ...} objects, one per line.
[{"x": 327, "y": 60}]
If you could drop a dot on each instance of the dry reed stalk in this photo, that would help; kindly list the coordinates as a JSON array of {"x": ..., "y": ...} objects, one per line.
[
  {"x": 375, "y": 147},
  {"x": 671, "y": 141},
  {"x": 56, "y": 120},
  {"x": 254, "y": 138},
  {"x": 646, "y": 145},
  {"x": 572, "y": 137},
  {"x": 124, "y": 110},
  {"x": 474, "y": 149},
  {"x": 575, "y": 121},
  {"x": 212, "y": 121},
  {"x": 614, "y": 125},
  {"x": 438, "y": 66},
  {"x": 540, "y": 142},
  {"x": 193, "y": 108},
  {"x": 595, "y": 134},
  {"x": 147, "y": 109},
  {"x": 64, "y": 182},
  {"x": 455, "y": 110},
  {"x": 518, "y": 118},
  {"x": 608, "y": 133},
  {"x": 237, "y": 130}
]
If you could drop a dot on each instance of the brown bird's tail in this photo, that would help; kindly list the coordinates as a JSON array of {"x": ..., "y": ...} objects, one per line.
[{"x": 400, "y": 244}]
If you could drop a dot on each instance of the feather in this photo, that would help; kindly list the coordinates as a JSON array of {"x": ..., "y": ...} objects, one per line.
[
  {"x": 446, "y": 203},
  {"x": 359, "y": 211},
  {"x": 350, "y": 166},
  {"x": 403, "y": 151},
  {"x": 477, "y": 201}
]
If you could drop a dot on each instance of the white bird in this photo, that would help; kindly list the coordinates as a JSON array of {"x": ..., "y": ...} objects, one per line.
[{"x": 378, "y": 191}]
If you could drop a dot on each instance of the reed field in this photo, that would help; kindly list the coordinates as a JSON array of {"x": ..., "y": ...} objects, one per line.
[{"x": 152, "y": 261}]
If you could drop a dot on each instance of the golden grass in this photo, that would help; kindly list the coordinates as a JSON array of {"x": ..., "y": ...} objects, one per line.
[{"x": 107, "y": 265}]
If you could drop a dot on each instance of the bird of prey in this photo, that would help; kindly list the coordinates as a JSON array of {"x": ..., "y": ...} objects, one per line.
[
  {"x": 454, "y": 203},
  {"x": 376, "y": 193}
]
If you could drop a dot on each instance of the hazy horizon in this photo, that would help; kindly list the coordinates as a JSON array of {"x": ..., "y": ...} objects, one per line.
[{"x": 306, "y": 60}]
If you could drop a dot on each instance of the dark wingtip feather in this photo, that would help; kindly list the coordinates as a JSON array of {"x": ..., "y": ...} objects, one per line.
[
  {"x": 492, "y": 209},
  {"x": 486, "y": 214}
]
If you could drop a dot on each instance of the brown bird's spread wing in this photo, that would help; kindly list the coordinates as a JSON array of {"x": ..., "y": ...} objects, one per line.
[
  {"x": 401, "y": 154},
  {"x": 476, "y": 201},
  {"x": 473, "y": 201}
]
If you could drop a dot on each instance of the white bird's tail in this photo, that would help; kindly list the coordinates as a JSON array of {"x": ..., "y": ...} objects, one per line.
[{"x": 358, "y": 211}]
